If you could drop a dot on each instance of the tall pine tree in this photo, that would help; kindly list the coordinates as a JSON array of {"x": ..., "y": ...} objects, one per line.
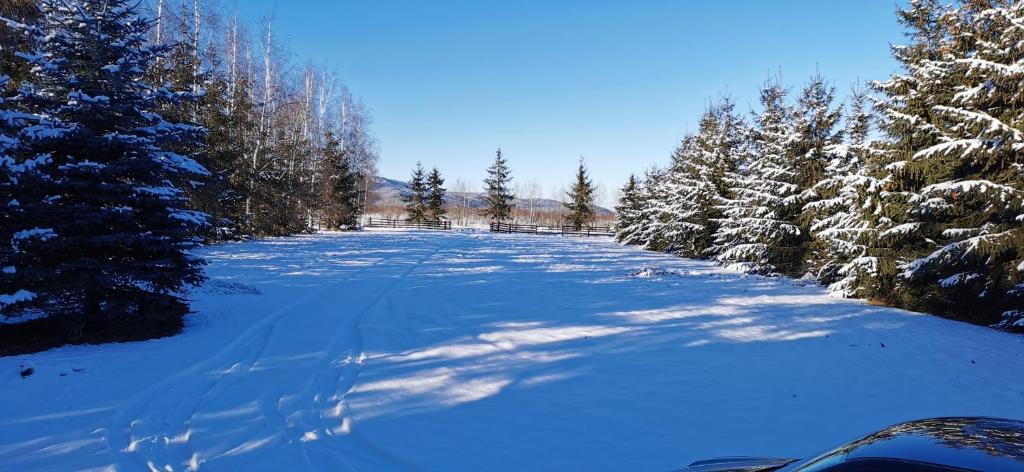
[
  {"x": 759, "y": 231},
  {"x": 435, "y": 196},
  {"x": 968, "y": 205},
  {"x": 415, "y": 197},
  {"x": 110, "y": 239},
  {"x": 340, "y": 191},
  {"x": 628, "y": 212},
  {"x": 498, "y": 196},
  {"x": 842, "y": 209},
  {"x": 907, "y": 122},
  {"x": 580, "y": 200}
]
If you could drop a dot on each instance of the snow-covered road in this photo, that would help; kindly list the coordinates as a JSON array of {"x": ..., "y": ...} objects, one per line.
[{"x": 471, "y": 351}]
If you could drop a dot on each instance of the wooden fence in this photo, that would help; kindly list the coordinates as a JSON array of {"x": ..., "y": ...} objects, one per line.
[
  {"x": 564, "y": 230},
  {"x": 396, "y": 223},
  {"x": 514, "y": 228},
  {"x": 587, "y": 231}
]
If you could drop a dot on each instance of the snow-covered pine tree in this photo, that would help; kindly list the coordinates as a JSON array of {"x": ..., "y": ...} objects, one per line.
[
  {"x": 23, "y": 187},
  {"x": 817, "y": 121},
  {"x": 684, "y": 197},
  {"x": 580, "y": 200},
  {"x": 970, "y": 202},
  {"x": 685, "y": 202},
  {"x": 415, "y": 198},
  {"x": 759, "y": 231},
  {"x": 340, "y": 188},
  {"x": 907, "y": 122},
  {"x": 498, "y": 191},
  {"x": 435, "y": 196},
  {"x": 843, "y": 208},
  {"x": 110, "y": 241},
  {"x": 650, "y": 228},
  {"x": 628, "y": 211}
]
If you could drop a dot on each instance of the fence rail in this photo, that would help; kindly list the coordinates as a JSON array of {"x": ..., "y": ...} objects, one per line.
[
  {"x": 396, "y": 223},
  {"x": 514, "y": 228},
  {"x": 563, "y": 230},
  {"x": 587, "y": 231}
]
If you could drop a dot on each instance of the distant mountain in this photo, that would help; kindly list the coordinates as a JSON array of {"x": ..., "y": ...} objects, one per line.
[{"x": 390, "y": 191}]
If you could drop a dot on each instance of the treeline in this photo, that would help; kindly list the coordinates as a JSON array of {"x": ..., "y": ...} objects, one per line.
[
  {"x": 426, "y": 199},
  {"x": 910, "y": 194},
  {"x": 129, "y": 138}
]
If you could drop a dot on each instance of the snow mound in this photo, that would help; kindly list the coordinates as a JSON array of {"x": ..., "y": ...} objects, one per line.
[{"x": 653, "y": 272}]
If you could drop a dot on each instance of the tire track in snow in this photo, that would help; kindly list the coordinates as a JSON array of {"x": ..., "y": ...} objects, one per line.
[{"x": 147, "y": 441}]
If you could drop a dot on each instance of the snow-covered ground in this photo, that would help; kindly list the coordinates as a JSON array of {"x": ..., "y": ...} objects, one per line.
[{"x": 471, "y": 351}]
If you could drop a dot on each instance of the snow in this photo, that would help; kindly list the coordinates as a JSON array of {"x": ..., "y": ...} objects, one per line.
[
  {"x": 471, "y": 351},
  {"x": 16, "y": 297},
  {"x": 40, "y": 233}
]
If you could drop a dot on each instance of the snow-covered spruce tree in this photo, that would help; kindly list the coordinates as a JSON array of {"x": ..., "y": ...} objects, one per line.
[
  {"x": 969, "y": 206},
  {"x": 340, "y": 191},
  {"x": 580, "y": 200},
  {"x": 817, "y": 122},
  {"x": 110, "y": 241},
  {"x": 22, "y": 192},
  {"x": 907, "y": 122},
  {"x": 628, "y": 212},
  {"x": 498, "y": 191},
  {"x": 759, "y": 231},
  {"x": 435, "y": 196},
  {"x": 650, "y": 228},
  {"x": 678, "y": 202},
  {"x": 843, "y": 208},
  {"x": 718, "y": 150},
  {"x": 415, "y": 198},
  {"x": 687, "y": 197}
]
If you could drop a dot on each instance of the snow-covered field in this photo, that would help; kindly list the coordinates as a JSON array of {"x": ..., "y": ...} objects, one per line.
[{"x": 471, "y": 351}]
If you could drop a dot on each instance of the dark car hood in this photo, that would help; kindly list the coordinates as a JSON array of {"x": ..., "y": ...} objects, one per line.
[{"x": 737, "y": 464}]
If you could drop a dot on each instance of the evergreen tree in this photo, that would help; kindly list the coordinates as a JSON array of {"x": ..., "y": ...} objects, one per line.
[
  {"x": 969, "y": 205},
  {"x": 843, "y": 208},
  {"x": 499, "y": 195},
  {"x": 110, "y": 238},
  {"x": 628, "y": 212},
  {"x": 435, "y": 196},
  {"x": 686, "y": 211},
  {"x": 650, "y": 232},
  {"x": 687, "y": 194},
  {"x": 907, "y": 121},
  {"x": 340, "y": 187},
  {"x": 720, "y": 148},
  {"x": 416, "y": 197},
  {"x": 581, "y": 200},
  {"x": 818, "y": 122},
  {"x": 759, "y": 230}
]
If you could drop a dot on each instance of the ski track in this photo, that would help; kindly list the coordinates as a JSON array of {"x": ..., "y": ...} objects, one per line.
[{"x": 157, "y": 443}]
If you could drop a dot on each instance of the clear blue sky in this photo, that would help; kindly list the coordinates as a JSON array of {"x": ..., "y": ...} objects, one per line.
[{"x": 618, "y": 82}]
